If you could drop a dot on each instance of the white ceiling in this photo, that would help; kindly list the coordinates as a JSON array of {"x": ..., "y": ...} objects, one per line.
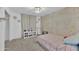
[{"x": 30, "y": 11}]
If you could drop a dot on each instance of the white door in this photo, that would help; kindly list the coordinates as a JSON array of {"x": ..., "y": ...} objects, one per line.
[{"x": 2, "y": 34}]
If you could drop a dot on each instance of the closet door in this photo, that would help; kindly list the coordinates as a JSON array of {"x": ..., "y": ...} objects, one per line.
[
  {"x": 25, "y": 22},
  {"x": 2, "y": 34},
  {"x": 32, "y": 23}
]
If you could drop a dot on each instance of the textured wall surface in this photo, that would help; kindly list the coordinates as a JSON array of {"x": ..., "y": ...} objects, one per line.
[{"x": 64, "y": 22}]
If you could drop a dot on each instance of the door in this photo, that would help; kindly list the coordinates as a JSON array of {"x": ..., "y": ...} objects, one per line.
[
  {"x": 7, "y": 25},
  {"x": 2, "y": 34}
]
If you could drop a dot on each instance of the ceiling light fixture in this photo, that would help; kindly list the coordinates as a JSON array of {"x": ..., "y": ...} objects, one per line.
[{"x": 37, "y": 9}]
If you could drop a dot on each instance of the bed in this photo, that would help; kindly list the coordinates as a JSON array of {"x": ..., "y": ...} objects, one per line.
[
  {"x": 73, "y": 41},
  {"x": 53, "y": 42}
]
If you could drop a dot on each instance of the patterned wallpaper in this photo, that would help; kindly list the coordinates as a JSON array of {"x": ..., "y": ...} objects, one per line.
[{"x": 64, "y": 22}]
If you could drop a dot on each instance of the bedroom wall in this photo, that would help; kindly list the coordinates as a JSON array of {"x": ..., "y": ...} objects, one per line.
[
  {"x": 64, "y": 22},
  {"x": 14, "y": 24}
]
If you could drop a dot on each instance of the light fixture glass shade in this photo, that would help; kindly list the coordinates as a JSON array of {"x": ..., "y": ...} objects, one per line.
[{"x": 37, "y": 9}]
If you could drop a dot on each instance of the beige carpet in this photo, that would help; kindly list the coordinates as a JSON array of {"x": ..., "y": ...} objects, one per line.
[{"x": 23, "y": 45}]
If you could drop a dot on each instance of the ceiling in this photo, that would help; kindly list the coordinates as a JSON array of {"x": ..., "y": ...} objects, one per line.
[{"x": 30, "y": 11}]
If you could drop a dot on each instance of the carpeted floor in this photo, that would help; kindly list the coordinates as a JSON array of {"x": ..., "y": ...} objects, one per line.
[{"x": 22, "y": 45}]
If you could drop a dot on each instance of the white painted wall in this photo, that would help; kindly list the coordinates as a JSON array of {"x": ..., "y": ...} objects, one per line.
[{"x": 15, "y": 25}]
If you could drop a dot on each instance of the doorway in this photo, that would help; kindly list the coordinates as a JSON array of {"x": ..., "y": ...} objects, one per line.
[
  {"x": 7, "y": 30},
  {"x": 7, "y": 25},
  {"x": 2, "y": 34}
]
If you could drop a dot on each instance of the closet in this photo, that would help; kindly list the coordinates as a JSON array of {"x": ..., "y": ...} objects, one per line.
[{"x": 28, "y": 25}]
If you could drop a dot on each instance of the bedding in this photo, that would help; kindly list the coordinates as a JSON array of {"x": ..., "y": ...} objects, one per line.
[
  {"x": 53, "y": 42},
  {"x": 72, "y": 41}
]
